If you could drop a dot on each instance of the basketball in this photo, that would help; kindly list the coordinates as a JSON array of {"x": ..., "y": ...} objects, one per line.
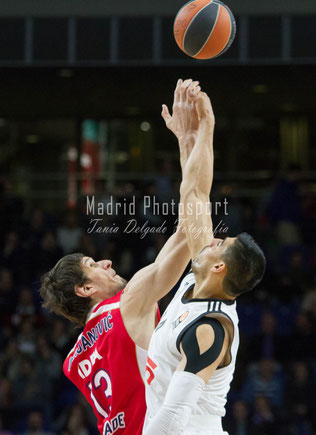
[{"x": 204, "y": 29}]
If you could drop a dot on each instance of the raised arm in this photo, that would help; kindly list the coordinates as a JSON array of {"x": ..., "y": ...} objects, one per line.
[
  {"x": 154, "y": 281},
  {"x": 197, "y": 180},
  {"x": 184, "y": 124}
]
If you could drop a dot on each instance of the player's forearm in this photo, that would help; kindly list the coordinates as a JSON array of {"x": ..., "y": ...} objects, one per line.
[
  {"x": 176, "y": 245},
  {"x": 181, "y": 398},
  {"x": 195, "y": 190},
  {"x": 186, "y": 145},
  {"x": 198, "y": 171}
]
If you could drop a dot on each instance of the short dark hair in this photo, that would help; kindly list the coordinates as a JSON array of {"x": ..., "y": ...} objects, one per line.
[
  {"x": 58, "y": 289},
  {"x": 245, "y": 264}
]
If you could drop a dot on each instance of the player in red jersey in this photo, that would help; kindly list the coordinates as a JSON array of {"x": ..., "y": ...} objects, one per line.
[{"x": 108, "y": 361}]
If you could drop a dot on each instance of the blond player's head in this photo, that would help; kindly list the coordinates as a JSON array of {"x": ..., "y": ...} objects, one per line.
[
  {"x": 76, "y": 283},
  {"x": 233, "y": 265}
]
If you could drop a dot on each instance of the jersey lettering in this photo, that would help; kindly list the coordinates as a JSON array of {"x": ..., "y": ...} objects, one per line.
[
  {"x": 88, "y": 340},
  {"x": 116, "y": 422},
  {"x": 150, "y": 367},
  {"x": 85, "y": 366}
]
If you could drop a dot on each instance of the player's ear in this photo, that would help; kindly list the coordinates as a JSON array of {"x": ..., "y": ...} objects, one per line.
[
  {"x": 84, "y": 291},
  {"x": 218, "y": 267}
]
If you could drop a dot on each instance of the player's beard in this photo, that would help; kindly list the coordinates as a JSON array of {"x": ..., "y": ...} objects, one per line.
[
  {"x": 198, "y": 269},
  {"x": 121, "y": 283},
  {"x": 124, "y": 282},
  {"x": 195, "y": 266}
]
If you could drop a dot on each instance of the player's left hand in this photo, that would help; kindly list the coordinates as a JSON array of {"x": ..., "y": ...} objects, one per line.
[
  {"x": 184, "y": 121},
  {"x": 204, "y": 108}
]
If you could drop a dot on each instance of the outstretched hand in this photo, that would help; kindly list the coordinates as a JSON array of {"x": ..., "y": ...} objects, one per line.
[
  {"x": 184, "y": 121},
  {"x": 204, "y": 107}
]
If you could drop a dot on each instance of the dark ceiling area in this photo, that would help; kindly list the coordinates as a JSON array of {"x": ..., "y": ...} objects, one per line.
[{"x": 132, "y": 91}]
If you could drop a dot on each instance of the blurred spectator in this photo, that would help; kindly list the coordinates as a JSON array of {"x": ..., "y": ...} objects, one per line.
[
  {"x": 48, "y": 361},
  {"x": 268, "y": 343},
  {"x": 77, "y": 421},
  {"x": 86, "y": 246},
  {"x": 15, "y": 257},
  {"x": 263, "y": 419},
  {"x": 25, "y": 306},
  {"x": 2, "y": 430},
  {"x": 230, "y": 215},
  {"x": 5, "y": 392},
  {"x": 287, "y": 291},
  {"x": 31, "y": 389},
  {"x": 35, "y": 424},
  {"x": 298, "y": 267},
  {"x": 293, "y": 266},
  {"x": 11, "y": 248},
  {"x": 265, "y": 378},
  {"x": 69, "y": 234},
  {"x": 8, "y": 296},
  {"x": 12, "y": 360},
  {"x": 301, "y": 344},
  {"x": 26, "y": 338},
  {"x": 60, "y": 336},
  {"x": 11, "y": 207},
  {"x": 47, "y": 254},
  {"x": 239, "y": 423},
  {"x": 284, "y": 209},
  {"x": 309, "y": 303},
  {"x": 36, "y": 228},
  {"x": 300, "y": 396}
]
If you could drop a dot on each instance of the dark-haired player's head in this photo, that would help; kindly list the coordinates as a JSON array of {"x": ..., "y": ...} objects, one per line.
[
  {"x": 76, "y": 283},
  {"x": 234, "y": 264}
]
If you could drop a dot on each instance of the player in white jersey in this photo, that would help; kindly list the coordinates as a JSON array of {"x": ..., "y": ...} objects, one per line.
[{"x": 192, "y": 353}]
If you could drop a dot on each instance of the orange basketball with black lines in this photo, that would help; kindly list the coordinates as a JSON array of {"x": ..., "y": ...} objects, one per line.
[{"x": 204, "y": 29}]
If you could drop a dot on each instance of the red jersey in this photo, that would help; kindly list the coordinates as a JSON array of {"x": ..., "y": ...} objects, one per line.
[{"x": 108, "y": 368}]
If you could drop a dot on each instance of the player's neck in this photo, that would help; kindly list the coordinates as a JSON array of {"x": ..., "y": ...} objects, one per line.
[{"x": 205, "y": 290}]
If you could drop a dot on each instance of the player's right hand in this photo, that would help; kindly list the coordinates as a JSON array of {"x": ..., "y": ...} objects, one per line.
[{"x": 184, "y": 120}]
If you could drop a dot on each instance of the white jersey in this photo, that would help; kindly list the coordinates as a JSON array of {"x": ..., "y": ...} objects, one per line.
[{"x": 164, "y": 353}]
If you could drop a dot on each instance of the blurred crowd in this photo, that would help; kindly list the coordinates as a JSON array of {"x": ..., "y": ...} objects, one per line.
[{"x": 273, "y": 391}]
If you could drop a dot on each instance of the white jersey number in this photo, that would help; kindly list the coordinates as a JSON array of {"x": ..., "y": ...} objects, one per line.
[{"x": 101, "y": 379}]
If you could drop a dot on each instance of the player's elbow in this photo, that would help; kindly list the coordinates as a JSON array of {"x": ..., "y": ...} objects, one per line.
[
  {"x": 188, "y": 189},
  {"x": 191, "y": 193}
]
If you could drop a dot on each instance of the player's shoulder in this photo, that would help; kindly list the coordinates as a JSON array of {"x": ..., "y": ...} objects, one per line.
[
  {"x": 204, "y": 345},
  {"x": 103, "y": 307},
  {"x": 205, "y": 332},
  {"x": 206, "y": 328}
]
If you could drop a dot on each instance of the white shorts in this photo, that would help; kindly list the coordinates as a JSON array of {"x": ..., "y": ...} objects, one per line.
[
  {"x": 205, "y": 425},
  {"x": 204, "y": 432}
]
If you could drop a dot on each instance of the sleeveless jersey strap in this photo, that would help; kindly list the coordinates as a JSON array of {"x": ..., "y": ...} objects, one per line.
[{"x": 196, "y": 361}]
